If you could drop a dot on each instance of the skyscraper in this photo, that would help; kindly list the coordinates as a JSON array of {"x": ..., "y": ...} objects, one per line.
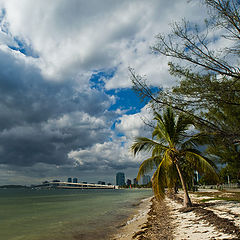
[
  {"x": 129, "y": 182},
  {"x": 120, "y": 179},
  {"x": 75, "y": 180},
  {"x": 135, "y": 182},
  {"x": 146, "y": 179}
]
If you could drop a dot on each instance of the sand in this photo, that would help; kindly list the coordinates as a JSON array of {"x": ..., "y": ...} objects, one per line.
[
  {"x": 168, "y": 220},
  {"x": 190, "y": 225}
]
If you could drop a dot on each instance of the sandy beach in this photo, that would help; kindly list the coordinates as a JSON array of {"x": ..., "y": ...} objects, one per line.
[{"x": 209, "y": 218}]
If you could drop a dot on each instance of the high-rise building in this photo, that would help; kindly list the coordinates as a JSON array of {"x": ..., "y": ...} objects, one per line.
[
  {"x": 146, "y": 179},
  {"x": 120, "y": 179},
  {"x": 135, "y": 182},
  {"x": 75, "y": 180},
  {"x": 69, "y": 179},
  {"x": 101, "y": 182},
  {"x": 129, "y": 182}
]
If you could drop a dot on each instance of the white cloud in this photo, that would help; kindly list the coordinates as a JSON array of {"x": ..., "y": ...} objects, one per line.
[
  {"x": 112, "y": 154},
  {"x": 134, "y": 125},
  {"x": 77, "y": 119},
  {"x": 74, "y": 36}
]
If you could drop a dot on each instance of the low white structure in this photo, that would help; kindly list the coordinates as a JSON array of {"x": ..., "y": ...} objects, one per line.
[{"x": 70, "y": 185}]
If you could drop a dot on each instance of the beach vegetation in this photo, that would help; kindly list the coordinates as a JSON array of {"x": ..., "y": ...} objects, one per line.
[
  {"x": 228, "y": 199},
  {"x": 219, "y": 195},
  {"x": 173, "y": 153}
]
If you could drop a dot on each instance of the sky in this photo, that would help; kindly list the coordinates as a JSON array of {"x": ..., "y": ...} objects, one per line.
[{"x": 66, "y": 104}]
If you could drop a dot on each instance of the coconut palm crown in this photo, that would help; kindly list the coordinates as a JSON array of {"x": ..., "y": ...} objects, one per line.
[{"x": 170, "y": 148}]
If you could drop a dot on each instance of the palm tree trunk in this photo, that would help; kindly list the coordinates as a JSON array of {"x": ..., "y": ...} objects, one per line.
[{"x": 187, "y": 201}]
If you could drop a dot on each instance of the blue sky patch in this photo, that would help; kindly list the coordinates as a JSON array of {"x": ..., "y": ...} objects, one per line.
[
  {"x": 24, "y": 48},
  {"x": 126, "y": 98},
  {"x": 97, "y": 78}
]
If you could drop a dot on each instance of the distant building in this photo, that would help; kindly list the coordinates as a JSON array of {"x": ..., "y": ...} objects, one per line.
[
  {"x": 135, "y": 182},
  {"x": 146, "y": 179},
  {"x": 75, "y": 180},
  {"x": 69, "y": 179},
  {"x": 120, "y": 179},
  {"x": 196, "y": 177},
  {"x": 56, "y": 181},
  {"x": 101, "y": 182},
  {"x": 129, "y": 182}
]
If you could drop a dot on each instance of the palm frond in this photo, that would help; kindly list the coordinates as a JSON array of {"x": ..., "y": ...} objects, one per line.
[
  {"x": 183, "y": 123},
  {"x": 171, "y": 174},
  {"x": 145, "y": 144},
  {"x": 167, "y": 158},
  {"x": 158, "y": 117},
  {"x": 162, "y": 177},
  {"x": 196, "y": 140},
  {"x": 170, "y": 123},
  {"x": 158, "y": 150},
  {"x": 163, "y": 129},
  {"x": 158, "y": 133},
  {"x": 202, "y": 164},
  {"x": 159, "y": 182},
  {"x": 146, "y": 166}
]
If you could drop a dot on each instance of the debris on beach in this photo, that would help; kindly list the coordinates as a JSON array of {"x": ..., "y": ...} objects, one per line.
[{"x": 211, "y": 220}]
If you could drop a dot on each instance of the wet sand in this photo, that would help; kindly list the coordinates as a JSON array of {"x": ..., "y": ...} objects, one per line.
[
  {"x": 146, "y": 225},
  {"x": 134, "y": 223}
]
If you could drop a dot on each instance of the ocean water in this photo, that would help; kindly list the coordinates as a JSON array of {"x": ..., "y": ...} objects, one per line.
[{"x": 65, "y": 214}]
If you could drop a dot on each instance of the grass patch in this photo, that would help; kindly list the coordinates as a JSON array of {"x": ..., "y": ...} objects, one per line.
[
  {"x": 221, "y": 195},
  {"x": 221, "y": 198}
]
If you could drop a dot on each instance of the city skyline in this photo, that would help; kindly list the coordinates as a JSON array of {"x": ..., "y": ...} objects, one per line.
[
  {"x": 67, "y": 107},
  {"x": 145, "y": 179}
]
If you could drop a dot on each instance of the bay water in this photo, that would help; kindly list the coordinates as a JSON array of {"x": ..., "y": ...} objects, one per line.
[{"x": 65, "y": 214}]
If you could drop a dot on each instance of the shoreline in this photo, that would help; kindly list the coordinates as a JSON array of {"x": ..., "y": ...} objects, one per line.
[
  {"x": 135, "y": 221},
  {"x": 216, "y": 219}
]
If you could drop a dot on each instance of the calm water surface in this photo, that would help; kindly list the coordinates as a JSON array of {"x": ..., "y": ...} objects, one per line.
[{"x": 67, "y": 214}]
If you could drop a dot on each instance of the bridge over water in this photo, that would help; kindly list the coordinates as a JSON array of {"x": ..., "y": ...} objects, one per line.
[{"x": 69, "y": 185}]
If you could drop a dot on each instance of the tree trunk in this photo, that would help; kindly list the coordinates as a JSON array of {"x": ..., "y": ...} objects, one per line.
[{"x": 187, "y": 201}]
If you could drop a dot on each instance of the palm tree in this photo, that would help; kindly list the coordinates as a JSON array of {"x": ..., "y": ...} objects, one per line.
[{"x": 171, "y": 148}]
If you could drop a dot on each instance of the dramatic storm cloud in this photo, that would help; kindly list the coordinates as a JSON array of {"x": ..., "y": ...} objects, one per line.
[{"x": 66, "y": 107}]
